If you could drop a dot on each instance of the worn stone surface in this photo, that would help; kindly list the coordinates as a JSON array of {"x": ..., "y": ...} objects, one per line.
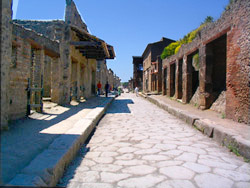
[
  {"x": 54, "y": 142},
  {"x": 162, "y": 151}
]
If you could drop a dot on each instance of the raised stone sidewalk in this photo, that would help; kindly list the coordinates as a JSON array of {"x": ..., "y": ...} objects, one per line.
[
  {"x": 235, "y": 136},
  {"x": 35, "y": 151}
]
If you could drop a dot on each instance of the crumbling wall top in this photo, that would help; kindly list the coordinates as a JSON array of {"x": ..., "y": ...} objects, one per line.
[{"x": 72, "y": 16}]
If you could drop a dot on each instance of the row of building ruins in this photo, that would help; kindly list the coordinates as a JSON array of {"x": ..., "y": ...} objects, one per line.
[
  {"x": 220, "y": 81},
  {"x": 57, "y": 59}
]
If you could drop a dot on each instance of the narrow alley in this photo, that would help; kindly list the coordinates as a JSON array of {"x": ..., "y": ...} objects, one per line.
[{"x": 137, "y": 144}]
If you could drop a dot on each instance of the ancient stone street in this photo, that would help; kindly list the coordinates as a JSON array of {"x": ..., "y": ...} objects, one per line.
[{"x": 137, "y": 144}]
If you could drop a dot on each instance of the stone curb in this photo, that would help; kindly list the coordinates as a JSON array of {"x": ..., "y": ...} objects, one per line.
[
  {"x": 48, "y": 167},
  {"x": 210, "y": 128}
]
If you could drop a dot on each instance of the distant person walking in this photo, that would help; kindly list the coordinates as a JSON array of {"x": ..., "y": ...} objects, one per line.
[
  {"x": 106, "y": 89},
  {"x": 99, "y": 87},
  {"x": 136, "y": 91}
]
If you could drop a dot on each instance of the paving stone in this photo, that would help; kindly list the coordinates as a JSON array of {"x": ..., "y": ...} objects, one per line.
[
  {"x": 164, "y": 147},
  {"x": 103, "y": 160},
  {"x": 191, "y": 157},
  {"x": 74, "y": 184},
  {"x": 109, "y": 154},
  {"x": 172, "y": 153},
  {"x": 106, "y": 167},
  {"x": 192, "y": 150},
  {"x": 127, "y": 156},
  {"x": 177, "y": 172},
  {"x": 133, "y": 162},
  {"x": 127, "y": 150},
  {"x": 107, "y": 148},
  {"x": 197, "y": 167},
  {"x": 242, "y": 185},
  {"x": 113, "y": 177},
  {"x": 147, "y": 151},
  {"x": 121, "y": 144},
  {"x": 155, "y": 157},
  {"x": 168, "y": 163},
  {"x": 213, "y": 163},
  {"x": 141, "y": 182},
  {"x": 87, "y": 162},
  {"x": 176, "y": 184},
  {"x": 171, "y": 150},
  {"x": 92, "y": 154},
  {"x": 209, "y": 180},
  {"x": 86, "y": 177},
  {"x": 245, "y": 168},
  {"x": 143, "y": 145},
  {"x": 233, "y": 175},
  {"x": 139, "y": 170}
]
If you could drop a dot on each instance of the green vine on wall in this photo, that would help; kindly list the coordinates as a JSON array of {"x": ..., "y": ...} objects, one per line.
[{"x": 173, "y": 48}]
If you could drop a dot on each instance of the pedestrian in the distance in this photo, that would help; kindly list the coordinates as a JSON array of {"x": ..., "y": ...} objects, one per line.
[
  {"x": 136, "y": 91},
  {"x": 99, "y": 87},
  {"x": 106, "y": 89}
]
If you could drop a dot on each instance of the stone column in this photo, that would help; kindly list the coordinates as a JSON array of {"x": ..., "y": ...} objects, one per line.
[
  {"x": 168, "y": 80},
  {"x": 78, "y": 79},
  {"x": 6, "y": 37},
  {"x": 185, "y": 80},
  {"x": 205, "y": 76},
  {"x": 56, "y": 81},
  {"x": 38, "y": 76},
  {"x": 66, "y": 64}
]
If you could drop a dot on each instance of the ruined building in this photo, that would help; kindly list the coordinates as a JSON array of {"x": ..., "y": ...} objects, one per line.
[
  {"x": 152, "y": 65},
  {"x": 219, "y": 80},
  {"x": 55, "y": 59}
]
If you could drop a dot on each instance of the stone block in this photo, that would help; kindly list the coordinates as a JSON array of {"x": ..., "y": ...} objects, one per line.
[
  {"x": 27, "y": 180},
  {"x": 205, "y": 126},
  {"x": 187, "y": 117},
  {"x": 49, "y": 165}
]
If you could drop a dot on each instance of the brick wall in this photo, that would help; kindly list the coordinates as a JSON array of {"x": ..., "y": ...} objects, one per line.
[{"x": 234, "y": 25}]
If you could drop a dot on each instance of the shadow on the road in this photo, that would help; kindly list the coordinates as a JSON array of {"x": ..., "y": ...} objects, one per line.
[
  {"x": 27, "y": 137},
  {"x": 120, "y": 106}
]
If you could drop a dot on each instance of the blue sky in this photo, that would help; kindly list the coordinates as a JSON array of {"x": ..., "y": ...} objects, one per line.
[{"x": 128, "y": 25}]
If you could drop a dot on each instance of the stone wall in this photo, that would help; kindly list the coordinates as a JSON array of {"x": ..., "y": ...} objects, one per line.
[
  {"x": 231, "y": 32},
  {"x": 19, "y": 75},
  {"x": 6, "y": 35}
]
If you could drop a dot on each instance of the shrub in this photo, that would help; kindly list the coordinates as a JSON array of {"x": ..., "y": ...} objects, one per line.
[
  {"x": 174, "y": 47},
  {"x": 169, "y": 50}
]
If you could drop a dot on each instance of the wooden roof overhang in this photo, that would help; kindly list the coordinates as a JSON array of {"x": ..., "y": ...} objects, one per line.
[{"x": 92, "y": 47}]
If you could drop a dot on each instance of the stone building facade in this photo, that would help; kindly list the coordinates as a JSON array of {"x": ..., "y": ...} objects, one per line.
[
  {"x": 220, "y": 80},
  {"x": 105, "y": 75},
  {"x": 151, "y": 63},
  {"x": 55, "y": 59}
]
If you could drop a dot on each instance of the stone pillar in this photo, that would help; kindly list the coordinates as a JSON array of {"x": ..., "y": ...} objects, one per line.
[
  {"x": 78, "y": 79},
  {"x": 6, "y": 41},
  {"x": 38, "y": 76},
  {"x": 205, "y": 76},
  {"x": 168, "y": 81},
  {"x": 47, "y": 77},
  {"x": 66, "y": 64},
  {"x": 185, "y": 80},
  {"x": 56, "y": 79},
  {"x": 178, "y": 79}
]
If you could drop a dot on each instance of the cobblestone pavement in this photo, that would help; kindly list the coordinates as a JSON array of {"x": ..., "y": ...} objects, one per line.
[{"x": 137, "y": 144}]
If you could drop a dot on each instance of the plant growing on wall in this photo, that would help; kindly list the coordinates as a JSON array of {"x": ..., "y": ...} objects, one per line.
[{"x": 174, "y": 47}]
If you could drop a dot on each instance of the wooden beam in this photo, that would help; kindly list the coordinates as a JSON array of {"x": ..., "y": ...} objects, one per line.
[{"x": 84, "y": 44}]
